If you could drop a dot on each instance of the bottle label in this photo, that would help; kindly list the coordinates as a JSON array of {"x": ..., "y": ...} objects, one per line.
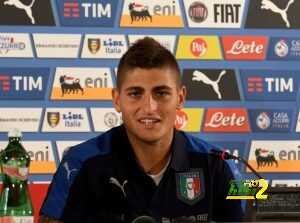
[
  {"x": 16, "y": 219},
  {"x": 21, "y": 173}
]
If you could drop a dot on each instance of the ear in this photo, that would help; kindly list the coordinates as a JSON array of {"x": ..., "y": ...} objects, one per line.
[
  {"x": 116, "y": 99},
  {"x": 181, "y": 97}
]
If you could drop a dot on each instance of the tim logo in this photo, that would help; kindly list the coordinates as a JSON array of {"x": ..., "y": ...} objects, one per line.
[
  {"x": 73, "y": 87},
  {"x": 273, "y": 14},
  {"x": 273, "y": 85},
  {"x": 26, "y": 12},
  {"x": 23, "y": 83},
  {"x": 264, "y": 158},
  {"x": 139, "y": 12},
  {"x": 87, "y": 12},
  {"x": 214, "y": 84},
  {"x": 71, "y": 9}
]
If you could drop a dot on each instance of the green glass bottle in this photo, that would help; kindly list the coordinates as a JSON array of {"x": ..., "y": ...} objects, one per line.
[{"x": 15, "y": 202}]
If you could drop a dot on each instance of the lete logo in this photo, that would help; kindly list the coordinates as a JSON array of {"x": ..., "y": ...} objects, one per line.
[
  {"x": 226, "y": 120},
  {"x": 244, "y": 47}
]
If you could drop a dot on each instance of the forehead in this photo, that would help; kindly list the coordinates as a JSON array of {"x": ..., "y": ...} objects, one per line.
[{"x": 149, "y": 78}]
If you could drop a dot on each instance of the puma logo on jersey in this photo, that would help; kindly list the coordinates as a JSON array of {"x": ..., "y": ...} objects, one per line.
[
  {"x": 69, "y": 171},
  {"x": 114, "y": 181},
  {"x": 19, "y": 5}
]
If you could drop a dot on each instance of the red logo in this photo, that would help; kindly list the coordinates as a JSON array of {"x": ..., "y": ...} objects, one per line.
[
  {"x": 71, "y": 9},
  {"x": 181, "y": 119},
  {"x": 226, "y": 120},
  {"x": 244, "y": 47},
  {"x": 198, "y": 47},
  {"x": 4, "y": 83},
  {"x": 255, "y": 84}
]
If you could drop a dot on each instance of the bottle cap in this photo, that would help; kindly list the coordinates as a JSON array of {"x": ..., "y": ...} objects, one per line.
[{"x": 14, "y": 133}]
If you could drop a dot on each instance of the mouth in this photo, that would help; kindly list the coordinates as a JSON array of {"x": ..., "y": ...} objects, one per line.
[{"x": 149, "y": 122}]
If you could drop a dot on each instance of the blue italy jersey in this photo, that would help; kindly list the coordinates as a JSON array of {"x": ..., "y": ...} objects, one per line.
[{"x": 101, "y": 181}]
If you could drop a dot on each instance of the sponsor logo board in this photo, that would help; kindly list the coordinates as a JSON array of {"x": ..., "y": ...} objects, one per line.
[
  {"x": 270, "y": 120},
  {"x": 30, "y": 12},
  {"x": 275, "y": 156},
  {"x": 23, "y": 83},
  {"x": 155, "y": 13},
  {"x": 273, "y": 14},
  {"x": 56, "y": 45},
  {"x": 284, "y": 49},
  {"x": 41, "y": 156},
  {"x": 226, "y": 120},
  {"x": 199, "y": 47},
  {"x": 87, "y": 12},
  {"x": 64, "y": 146},
  {"x": 285, "y": 183},
  {"x": 244, "y": 47},
  {"x": 104, "y": 46},
  {"x": 15, "y": 45},
  {"x": 26, "y": 119},
  {"x": 189, "y": 119},
  {"x": 82, "y": 83},
  {"x": 270, "y": 85},
  {"x": 66, "y": 120},
  {"x": 105, "y": 118},
  {"x": 214, "y": 84},
  {"x": 168, "y": 41},
  {"x": 214, "y": 13}
]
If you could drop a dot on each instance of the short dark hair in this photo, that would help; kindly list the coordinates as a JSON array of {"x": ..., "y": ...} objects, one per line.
[{"x": 147, "y": 53}]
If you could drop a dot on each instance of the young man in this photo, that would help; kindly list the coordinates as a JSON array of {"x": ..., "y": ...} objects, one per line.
[{"x": 144, "y": 170}]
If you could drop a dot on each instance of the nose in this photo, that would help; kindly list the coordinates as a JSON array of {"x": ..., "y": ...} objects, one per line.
[{"x": 149, "y": 104}]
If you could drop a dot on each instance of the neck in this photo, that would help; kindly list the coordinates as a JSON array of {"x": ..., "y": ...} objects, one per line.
[{"x": 151, "y": 156}]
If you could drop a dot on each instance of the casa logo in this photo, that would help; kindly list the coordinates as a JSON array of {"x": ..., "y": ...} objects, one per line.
[
  {"x": 155, "y": 13},
  {"x": 270, "y": 85},
  {"x": 285, "y": 183},
  {"x": 278, "y": 14},
  {"x": 284, "y": 49},
  {"x": 212, "y": 83},
  {"x": 274, "y": 156},
  {"x": 105, "y": 118},
  {"x": 167, "y": 41},
  {"x": 104, "y": 46},
  {"x": 189, "y": 119},
  {"x": 26, "y": 12},
  {"x": 87, "y": 13},
  {"x": 26, "y": 119},
  {"x": 56, "y": 45},
  {"x": 226, "y": 120},
  {"x": 199, "y": 47},
  {"x": 214, "y": 13},
  {"x": 15, "y": 45},
  {"x": 232, "y": 147},
  {"x": 66, "y": 120},
  {"x": 64, "y": 146},
  {"x": 82, "y": 83},
  {"x": 23, "y": 83},
  {"x": 244, "y": 47},
  {"x": 270, "y": 120},
  {"x": 41, "y": 156}
]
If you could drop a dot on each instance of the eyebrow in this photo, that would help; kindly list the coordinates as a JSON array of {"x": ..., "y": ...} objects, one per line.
[{"x": 157, "y": 88}]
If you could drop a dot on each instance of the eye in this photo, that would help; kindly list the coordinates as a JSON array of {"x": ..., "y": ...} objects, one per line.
[
  {"x": 134, "y": 94},
  {"x": 162, "y": 93}
]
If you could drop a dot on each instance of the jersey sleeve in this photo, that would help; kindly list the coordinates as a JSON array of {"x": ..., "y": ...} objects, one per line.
[{"x": 59, "y": 188}]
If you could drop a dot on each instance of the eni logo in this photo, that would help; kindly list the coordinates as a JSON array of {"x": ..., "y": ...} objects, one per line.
[{"x": 247, "y": 189}]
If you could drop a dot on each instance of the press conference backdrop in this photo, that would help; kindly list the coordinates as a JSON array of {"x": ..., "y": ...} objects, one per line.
[{"x": 239, "y": 60}]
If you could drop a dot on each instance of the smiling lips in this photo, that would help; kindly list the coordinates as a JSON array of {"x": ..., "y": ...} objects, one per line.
[{"x": 148, "y": 122}]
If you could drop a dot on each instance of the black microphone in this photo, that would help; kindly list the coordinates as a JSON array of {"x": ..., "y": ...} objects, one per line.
[{"x": 222, "y": 154}]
